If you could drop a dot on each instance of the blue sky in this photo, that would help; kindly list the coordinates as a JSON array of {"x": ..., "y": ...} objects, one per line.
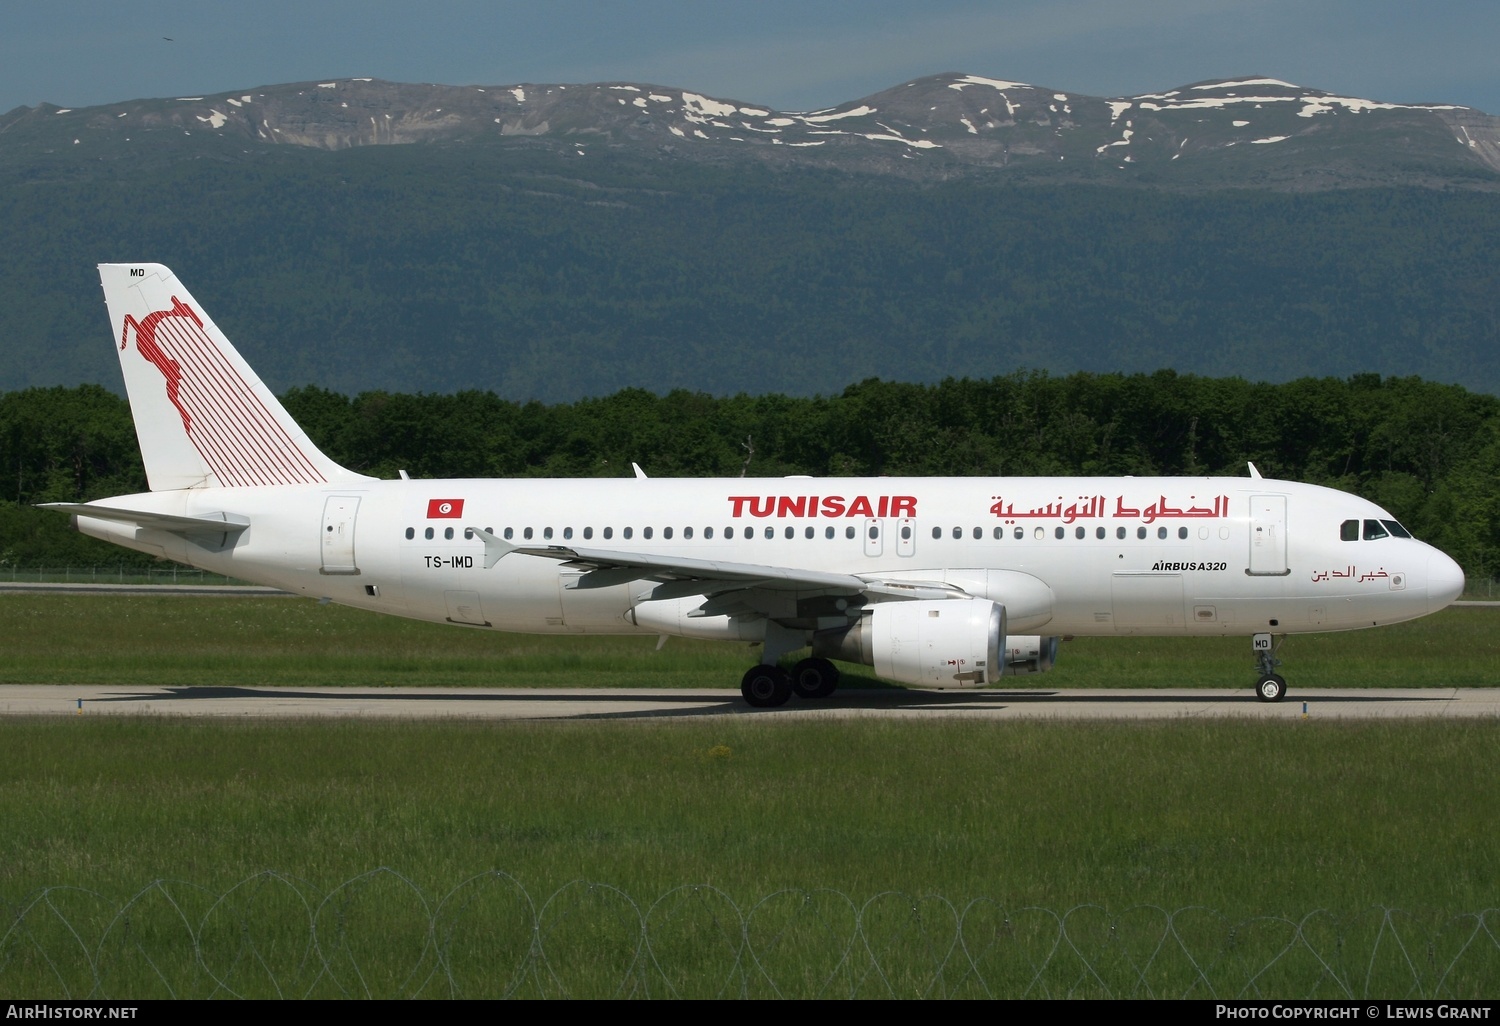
[{"x": 790, "y": 54}]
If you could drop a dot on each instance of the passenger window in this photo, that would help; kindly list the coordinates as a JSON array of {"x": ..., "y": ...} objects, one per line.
[
  {"x": 627, "y": 533},
  {"x": 547, "y": 533},
  {"x": 1120, "y": 533},
  {"x": 609, "y": 532},
  {"x": 1182, "y": 533},
  {"x": 1349, "y": 530},
  {"x": 849, "y": 531},
  {"x": 978, "y": 533},
  {"x": 1396, "y": 529},
  {"x": 770, "y": 532},
  {"x": 749, "y": 533},
  {"x": 468, "y": 534},
  {"x": 905, "y": 532},
  {"x": 791, "y": 532},
  {"x": 1061, "y": 532},
  {"x": 958, "y": 532},
  {"x": 874, "y": 531},
  {"x": 1161, "y": 532},
  {"x": 411, "y": 532},
  {"x": 1040, "y": 533},
  {"x": 1140, "y": 532},
  {"x": 937, "y": 532},
  {"x": 1099, "y": 532},
  {"x": 447, "y": 534},
  {"x": 828, "y": 533},
  {"x": 427, "y": 534},
  {"x": 687, "y": 532},
  {"x": 809, "y": 532},
  {"x": 588, "y": 533},
  {"x": 567, "y": 533},
  {"x": 666, "y": 532},
  {"x": 526, "y": 534},
  {"x": 1020, "y": 533},
  {"x": 708, "y": 532},
  {"x": 1079, "y": 532},
  {"x": 646, "y": 533},
  {"x": 1374, "y": 531},
  {"x": 999, "y": 534},
  {"x": 509, "y": 533}
]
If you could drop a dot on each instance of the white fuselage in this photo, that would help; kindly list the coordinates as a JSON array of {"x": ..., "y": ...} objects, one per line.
[{"x": 1067, "y": 556}]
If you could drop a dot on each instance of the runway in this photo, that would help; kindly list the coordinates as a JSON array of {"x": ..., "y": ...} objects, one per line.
[{"x": 666, "y": 704}]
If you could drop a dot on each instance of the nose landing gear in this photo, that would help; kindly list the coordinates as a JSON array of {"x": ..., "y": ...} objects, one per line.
[{"x": 1272, "y": 686}]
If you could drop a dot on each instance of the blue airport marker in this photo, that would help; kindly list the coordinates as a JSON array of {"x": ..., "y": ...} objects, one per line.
[
  {"x": 1304, "y": 710},
  {"x": 80, "y": 707}
]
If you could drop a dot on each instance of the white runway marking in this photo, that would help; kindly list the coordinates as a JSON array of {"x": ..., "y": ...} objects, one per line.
[{"x": 670, "y": 703}]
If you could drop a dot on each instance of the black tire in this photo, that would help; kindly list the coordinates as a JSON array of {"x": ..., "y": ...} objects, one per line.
[
  {"x": 1272, "y": 688},
  {"x": 766, "y": 687},
  {"x": 814, "y": 678}
]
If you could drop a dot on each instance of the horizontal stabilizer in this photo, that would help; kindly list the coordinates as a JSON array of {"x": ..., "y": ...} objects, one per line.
[{"x": 217, "y": 523}]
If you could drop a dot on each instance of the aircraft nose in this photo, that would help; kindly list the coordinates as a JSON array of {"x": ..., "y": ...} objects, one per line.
[{"x": 1445, "y": 581}]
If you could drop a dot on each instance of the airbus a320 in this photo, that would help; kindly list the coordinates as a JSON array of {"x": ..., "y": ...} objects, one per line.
[{"x": 933, "y": 582}]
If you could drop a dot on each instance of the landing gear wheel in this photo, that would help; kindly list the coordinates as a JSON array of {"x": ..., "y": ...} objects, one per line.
[
  {"x": 1272, "y": 688},
  {"x": 766, "y": 687},
  {"x": 814, "y": 678}
]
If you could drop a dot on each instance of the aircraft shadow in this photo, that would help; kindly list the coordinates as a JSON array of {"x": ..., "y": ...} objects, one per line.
[{"x": 663, "y": 704}]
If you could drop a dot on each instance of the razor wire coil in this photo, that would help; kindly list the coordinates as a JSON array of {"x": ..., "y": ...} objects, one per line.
[{"x": 379, "y": 935}]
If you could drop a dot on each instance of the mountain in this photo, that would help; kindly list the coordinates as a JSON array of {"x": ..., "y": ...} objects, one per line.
[
  {"x": 554, "y": 242},
  {"x": 1247, "y": 131}
]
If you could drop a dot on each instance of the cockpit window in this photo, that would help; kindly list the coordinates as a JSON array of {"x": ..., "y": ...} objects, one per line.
[
  {"x": 1374, "y": 530},
  {"x": 1396, "y": 529},
  {"x": 1349, "y": 530}
]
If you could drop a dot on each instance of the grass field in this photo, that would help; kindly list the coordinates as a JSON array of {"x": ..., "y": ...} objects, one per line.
[
  {"x": 169, "y": 639},
  {"x": 1242, "y": 819}
]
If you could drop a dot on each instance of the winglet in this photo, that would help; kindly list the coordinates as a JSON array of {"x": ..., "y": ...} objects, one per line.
[
  {"x": 639, "y": 473},
  {"x": 1253, "y": 472},
  {"x": 494, "y": 549}
]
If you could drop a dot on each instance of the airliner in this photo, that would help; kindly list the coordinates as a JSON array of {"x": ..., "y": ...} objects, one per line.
[{"x": 933, "y": 582}]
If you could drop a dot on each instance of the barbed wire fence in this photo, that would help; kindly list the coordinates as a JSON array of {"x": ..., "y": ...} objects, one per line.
[{"x": 377, "y": 935}]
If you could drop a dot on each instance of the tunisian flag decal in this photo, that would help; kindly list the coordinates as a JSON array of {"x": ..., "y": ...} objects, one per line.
[{"x": 438, "y": 509}]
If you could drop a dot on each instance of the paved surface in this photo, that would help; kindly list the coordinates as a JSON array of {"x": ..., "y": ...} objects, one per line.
[
  {"x": 660, "y": 704},
  {"x": 101, "y": 588}
]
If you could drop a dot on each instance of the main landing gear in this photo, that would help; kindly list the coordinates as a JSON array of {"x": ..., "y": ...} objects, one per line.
[
  {"x": 1271, "y": 687},
  {"x": 767, "y": 687}
]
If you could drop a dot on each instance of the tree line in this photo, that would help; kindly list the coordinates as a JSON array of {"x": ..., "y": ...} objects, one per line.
[{"x": 1428, "y": 452}]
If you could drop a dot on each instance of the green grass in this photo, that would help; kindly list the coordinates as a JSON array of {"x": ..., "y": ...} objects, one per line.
[
  {"x": 756, "y": 852},
  {"x": 1244, "y": 819},
  {"x": 177, "y": 640}
]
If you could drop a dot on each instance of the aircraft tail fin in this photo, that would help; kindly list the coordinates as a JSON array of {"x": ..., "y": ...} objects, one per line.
[{"x": 203, "y": 417}]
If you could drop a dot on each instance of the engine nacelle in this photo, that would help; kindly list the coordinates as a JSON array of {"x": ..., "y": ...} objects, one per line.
[
  {"x": 954, "y": 643},
  {"x": 1029, "y": 654}
]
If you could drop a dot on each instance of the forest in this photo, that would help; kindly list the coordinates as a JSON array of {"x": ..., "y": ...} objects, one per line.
[
  {"x": 437, "y": 269},
  {"x": 1428, "y": 452}
]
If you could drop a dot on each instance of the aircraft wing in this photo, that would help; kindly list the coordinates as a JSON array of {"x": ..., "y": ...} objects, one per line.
[
  {"x": 607, "y": 567},
  {"x": 216, "y": 523}
]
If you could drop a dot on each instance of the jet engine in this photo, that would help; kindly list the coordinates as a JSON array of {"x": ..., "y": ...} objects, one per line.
[
  {"x": 953, "y": 643},
  {"x": 1029, "y": 654}
]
